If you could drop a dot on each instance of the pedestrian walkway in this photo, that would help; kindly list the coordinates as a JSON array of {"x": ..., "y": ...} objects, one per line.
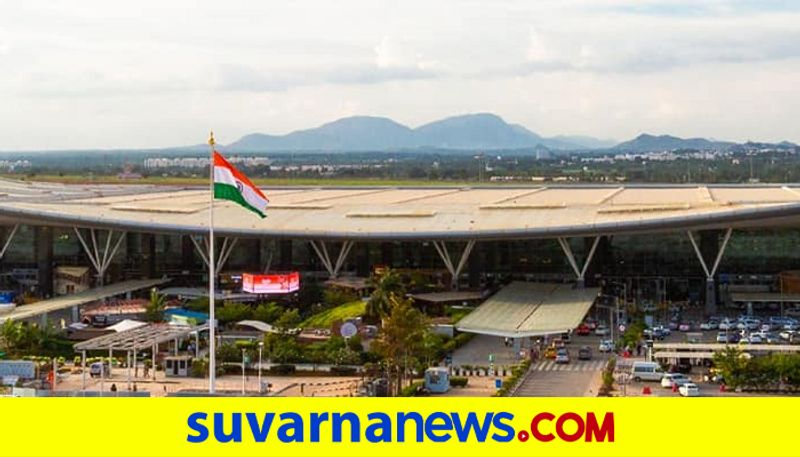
[
  {"x": 549, "y": 379},
  {"x": 579, "y": 365}
]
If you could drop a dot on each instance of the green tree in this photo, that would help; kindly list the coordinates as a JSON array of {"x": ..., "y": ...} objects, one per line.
[
  {"x": 199, "y": 304},
  {"x": 10, "y": 336},
  {"x": 267, "y": 312},
  {"x": 289, "y": 320},
  {"x": 733, "y": 365},
  {"x": 154, "y": 311},
  {"x": 387, "y": 288},
  {"x": 310, "y": 294},
  {"x": 233, "y": 312},
  {"x": 401, "y": 341}
]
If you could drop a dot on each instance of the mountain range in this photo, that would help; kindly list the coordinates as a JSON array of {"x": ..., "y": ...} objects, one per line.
[
  {"x": 469, "y": 132},
  {"x": 367, "y": 133}
]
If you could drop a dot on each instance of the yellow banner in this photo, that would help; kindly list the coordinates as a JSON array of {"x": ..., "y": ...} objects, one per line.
[{"x": 397, "y": 426}]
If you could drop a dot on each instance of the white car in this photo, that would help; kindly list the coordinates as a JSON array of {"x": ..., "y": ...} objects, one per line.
[
  {"x": 602, "y": 330},
  {"x": 689, "y": 389},
  {"x": 710, "y": 325},
  {"x": 606, "y": 346},
  {"x": 757, "y": 338},
  {"x": 673, "y": 378},
  {"x": 727, "y": 325}
]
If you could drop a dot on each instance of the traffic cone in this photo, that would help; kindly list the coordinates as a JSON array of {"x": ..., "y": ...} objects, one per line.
[{"x": 646, "y": 390}]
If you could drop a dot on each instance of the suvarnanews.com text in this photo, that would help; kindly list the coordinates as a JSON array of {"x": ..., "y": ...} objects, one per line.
[{"x": 379, "y": 427}]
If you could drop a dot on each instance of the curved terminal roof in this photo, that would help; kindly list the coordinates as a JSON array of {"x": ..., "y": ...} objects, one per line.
[{"x": 393, "y": 213}]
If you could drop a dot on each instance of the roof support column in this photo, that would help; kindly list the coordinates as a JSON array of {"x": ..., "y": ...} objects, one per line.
[
  {"x": 454, "y": 270},
  {"x": 580, "y": 273},
  {"x": 321, "y": 248},
  {"x": 222, "y": 257},
  {"x": 100, "y": 258},
  {"x": 711, "y": 301},
  {"x": 8, "y": 240}
]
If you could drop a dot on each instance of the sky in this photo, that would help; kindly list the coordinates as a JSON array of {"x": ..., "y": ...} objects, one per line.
[{"x": 144, "y": 74}]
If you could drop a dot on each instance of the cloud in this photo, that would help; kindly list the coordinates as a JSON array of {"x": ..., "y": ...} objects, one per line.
[
  {"x": 645, "y": 45},
  {"x": 391, "y": 63}
]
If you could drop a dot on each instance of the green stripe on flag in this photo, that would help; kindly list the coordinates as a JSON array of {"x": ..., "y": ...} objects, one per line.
[{"x": 228, "y": 192}]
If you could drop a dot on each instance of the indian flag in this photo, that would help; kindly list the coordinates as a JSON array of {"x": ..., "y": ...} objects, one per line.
[{"x": 231, "y": 184}]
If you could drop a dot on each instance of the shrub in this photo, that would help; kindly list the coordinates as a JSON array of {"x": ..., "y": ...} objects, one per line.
[
  {"x": 459, "y": 381},
  {"x": 516, "y": 376},
  {"x": 336, "y": 297},
  {"x": 199, "y": 368},
  {"x": 412, "y": 390},
  {"x": 339, "y": 370},
  {"x": 283, "y": 369}
]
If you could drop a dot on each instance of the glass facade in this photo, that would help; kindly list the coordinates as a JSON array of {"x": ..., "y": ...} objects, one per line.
[{"x": 662, "y": 264}]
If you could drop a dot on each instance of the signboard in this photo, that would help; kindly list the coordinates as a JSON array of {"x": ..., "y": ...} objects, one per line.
[
  {"x": 348, "y": 330},
  {"x": 24, "y": 369},
  {"x": 271, "y": 284}
]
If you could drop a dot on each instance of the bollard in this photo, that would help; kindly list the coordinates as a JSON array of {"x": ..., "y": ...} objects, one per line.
[
  {"x": 674, "y": 386},
  {"x": 722, "y": 388}
]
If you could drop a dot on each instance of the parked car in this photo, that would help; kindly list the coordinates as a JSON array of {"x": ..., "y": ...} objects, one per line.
[
  {"x": 727, "y": 337},
  {"x": 668, "y": 379},
  {"x": 727, "y": 324},
  {"x": 562, "y": 356},
  {"x": 583, "y": 330},
  {"x": 664, "y": 330},
  {"x": 680, "y": 367},
  {"x": 585, "y": 353},
  {"x": 710, "y": 325},
  {"x": 646, "y": 371},
  {"x": 689, "y": 389},
  {"x": 602, "y": 330},
  {"x": 606, "y": 346},
  {"x": 684, "y": 327},
  {"x": 673, "y": 325},
  {"x": 795, "y": 312},
  {"x": 98, "y": 369},
  {"x": 756, "y": 338}
]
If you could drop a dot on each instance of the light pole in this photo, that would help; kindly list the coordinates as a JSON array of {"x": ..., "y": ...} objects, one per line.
[
  {"x": 260, "y": 347},
  {"x": 243, "y": 355}
]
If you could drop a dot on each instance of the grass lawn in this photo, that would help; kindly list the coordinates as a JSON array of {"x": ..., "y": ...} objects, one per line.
[{"x": 326, "y": 318}]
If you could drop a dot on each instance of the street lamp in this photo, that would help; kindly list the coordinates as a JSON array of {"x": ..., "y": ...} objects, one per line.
[
  {"x": 260, "y": 347},
  {"x": 243, "y": 358}
]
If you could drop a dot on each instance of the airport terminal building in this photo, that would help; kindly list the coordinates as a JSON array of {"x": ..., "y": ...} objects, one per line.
[{"x": 693, "y": 243}]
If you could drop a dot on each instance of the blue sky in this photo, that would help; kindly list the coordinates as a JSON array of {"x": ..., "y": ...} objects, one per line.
[{"x": 152, "y": 73}]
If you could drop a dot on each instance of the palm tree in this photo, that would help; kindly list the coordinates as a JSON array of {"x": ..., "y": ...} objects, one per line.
[
  {"x": 155, "y": 309},
  {"x": 10, "y": 334},
  {"x": 387, "y": 287}
]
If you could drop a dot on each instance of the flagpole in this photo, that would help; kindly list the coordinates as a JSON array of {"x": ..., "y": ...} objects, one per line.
[{"x": 212, "y": 356}]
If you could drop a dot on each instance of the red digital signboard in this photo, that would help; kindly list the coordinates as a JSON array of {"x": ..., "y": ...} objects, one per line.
[{"x": 271, "y": 284}]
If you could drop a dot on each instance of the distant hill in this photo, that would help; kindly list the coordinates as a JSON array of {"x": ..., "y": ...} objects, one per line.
[
  {"x": 584, "y": 142},
  {"x": 646, "y": 142},
  {"x": 366, "y": 133}
]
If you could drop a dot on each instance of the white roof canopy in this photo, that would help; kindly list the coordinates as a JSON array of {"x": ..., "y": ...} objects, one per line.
[
  {"x": 530, "y": 309},
  {"x": 433, "y": 212}
]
